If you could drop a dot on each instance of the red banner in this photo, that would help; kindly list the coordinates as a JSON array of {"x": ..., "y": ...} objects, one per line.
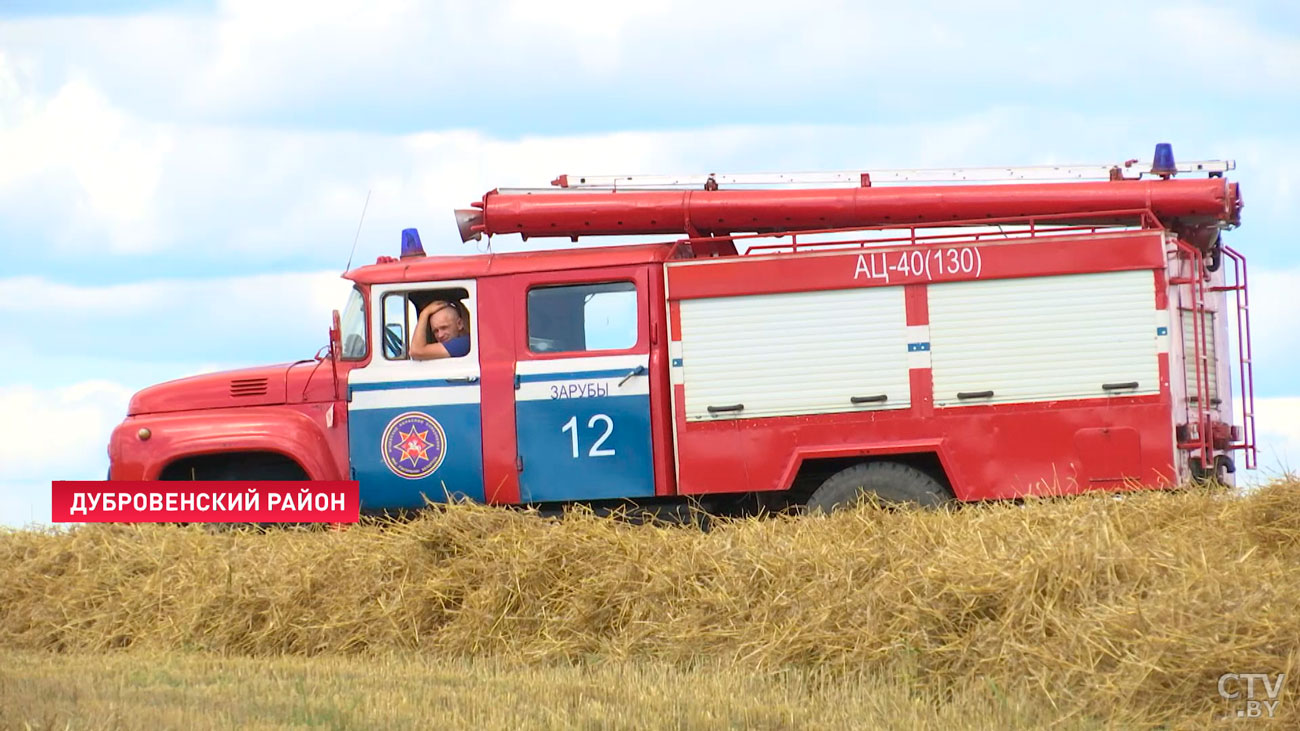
[{"x": 206, "y": 502}]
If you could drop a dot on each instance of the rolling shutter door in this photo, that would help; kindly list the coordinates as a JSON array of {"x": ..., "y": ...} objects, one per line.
[
  {"x": 1189, "y": 356},
  {"x": 1043, "y": 338},
  {"x": 796, "y": 353}
]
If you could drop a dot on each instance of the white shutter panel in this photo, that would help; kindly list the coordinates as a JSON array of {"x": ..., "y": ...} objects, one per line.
[
  {"x": 796, "y": 353},
  {"x": 1043, "y": 338},
  {"x": 1211, "y": 353}
]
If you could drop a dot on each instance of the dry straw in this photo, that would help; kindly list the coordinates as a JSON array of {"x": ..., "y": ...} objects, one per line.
[{"x": 1118, "y": 608}]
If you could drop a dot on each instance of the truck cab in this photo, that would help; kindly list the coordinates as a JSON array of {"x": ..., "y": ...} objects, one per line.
[{"x": 560, "y": 398}]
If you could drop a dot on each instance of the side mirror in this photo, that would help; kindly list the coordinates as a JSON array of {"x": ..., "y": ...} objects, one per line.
[
  {"x": 336, "y": 338},
  {"x": 336, "y": 351}
]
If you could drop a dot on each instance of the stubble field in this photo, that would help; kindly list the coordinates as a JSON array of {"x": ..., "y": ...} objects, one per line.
[{"x": 1081, "y": 613}]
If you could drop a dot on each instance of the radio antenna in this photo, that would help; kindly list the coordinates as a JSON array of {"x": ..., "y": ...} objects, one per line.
[{"x": 358, "y": 236}]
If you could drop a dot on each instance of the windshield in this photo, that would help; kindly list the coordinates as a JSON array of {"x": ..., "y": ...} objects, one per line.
[{"x": 353, "y": 326}]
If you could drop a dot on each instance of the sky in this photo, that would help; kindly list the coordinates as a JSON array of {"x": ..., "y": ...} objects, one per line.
[{"x": 181, "y": 183}]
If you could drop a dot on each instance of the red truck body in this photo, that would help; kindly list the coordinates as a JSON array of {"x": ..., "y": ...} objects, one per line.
[{"x": 996, "y": 340}]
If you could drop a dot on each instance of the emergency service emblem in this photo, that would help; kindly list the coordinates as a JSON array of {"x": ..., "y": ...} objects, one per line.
[{"x": 414, "y": 445}]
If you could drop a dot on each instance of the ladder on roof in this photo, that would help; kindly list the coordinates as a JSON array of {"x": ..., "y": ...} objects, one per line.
[{"x": 1127, "y": 170}]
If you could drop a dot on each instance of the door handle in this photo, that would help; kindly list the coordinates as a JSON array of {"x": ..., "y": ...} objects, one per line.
[
  {"x": 963, "y": 395},
  {"x": 1119, "y": 386},
  {"x": 724, "y": 409},
  {"x": 879, "y": 398},
  {"x": 462, "y": 379},
  {"x": 635, "y": 372}
]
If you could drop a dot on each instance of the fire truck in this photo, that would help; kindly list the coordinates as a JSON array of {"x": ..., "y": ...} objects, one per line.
[{"x": 767, "y": 340}]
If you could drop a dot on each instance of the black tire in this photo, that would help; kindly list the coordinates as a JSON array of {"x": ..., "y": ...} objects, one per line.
[{"x": 891, "y": 482}]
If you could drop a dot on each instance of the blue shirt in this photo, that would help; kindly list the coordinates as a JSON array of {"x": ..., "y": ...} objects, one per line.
[{"x": 457, "y": 347}]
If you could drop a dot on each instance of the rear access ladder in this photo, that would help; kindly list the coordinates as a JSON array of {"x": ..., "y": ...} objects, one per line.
[{"x": 1203, "y": 431}]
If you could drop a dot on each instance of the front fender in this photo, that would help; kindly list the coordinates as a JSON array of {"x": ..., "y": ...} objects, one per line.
[{"x": 189, "y": 434}]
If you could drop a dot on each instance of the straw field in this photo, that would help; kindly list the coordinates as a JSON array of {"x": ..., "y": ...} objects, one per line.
[
  {"x": 1079, "y": 611},
  {"x": 192, "y": 691}
]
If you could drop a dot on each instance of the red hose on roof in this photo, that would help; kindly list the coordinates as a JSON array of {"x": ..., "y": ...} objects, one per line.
[{"x": 1188, "y": 203}]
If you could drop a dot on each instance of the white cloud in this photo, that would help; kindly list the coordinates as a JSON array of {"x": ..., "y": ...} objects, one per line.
[
  {"x": 90, "y": 168},
  {"x": 265, "y": 54},
  {"x": 596, "y": 30},
  {"x": 1275, "y": 340},
  {"x": 88, "y": 174},
  {"x": 1218, "y": 43},
  {"x": 284, "y": 294},
  {"x": 1269, "y": 173},
  {"x": 58, "y": 433},
  {"x": 39, "y": 295},
  {"x": 24, "y": 503},
  {"x": 1277, "y": 423},
  {"x": 80, "y": 164},
  {"x": 282, "y": 196},
  {"x": 276, "y": 316},
  {"x": 461, "y": 61}
]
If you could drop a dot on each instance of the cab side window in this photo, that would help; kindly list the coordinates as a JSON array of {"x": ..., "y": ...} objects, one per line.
[
  {"x": 398, "y": 319},
  {"x": 352, "y": 325},
  {"x": 401, "y": 313},
  {"x": 581, "y": 317}
]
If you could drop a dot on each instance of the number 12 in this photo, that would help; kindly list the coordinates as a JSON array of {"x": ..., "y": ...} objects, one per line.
[{"x": 571, "y": 426}]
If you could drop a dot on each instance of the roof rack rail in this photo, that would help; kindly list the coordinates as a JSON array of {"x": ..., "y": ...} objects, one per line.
[{"x": 1127, "y": 170}]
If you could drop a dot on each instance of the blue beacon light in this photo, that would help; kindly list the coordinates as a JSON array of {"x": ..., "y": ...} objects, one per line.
[
  {"x": 1163, "y": 164},
  {"x": 411, "y": 245}
]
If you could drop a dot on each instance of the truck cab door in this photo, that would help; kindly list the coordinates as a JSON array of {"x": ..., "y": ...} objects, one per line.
[
  {"x": 415, "y": 426},
  {"x": 582, "y": 386}
]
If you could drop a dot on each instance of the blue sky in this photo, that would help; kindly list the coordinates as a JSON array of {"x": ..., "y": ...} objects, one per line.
[{"x": 180, "y": 182}]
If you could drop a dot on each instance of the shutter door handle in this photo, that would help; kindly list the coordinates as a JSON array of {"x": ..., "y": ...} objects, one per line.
[
  {"x": 463, "y": 379},
  {"x": 1119, "y": 386},
  {"x": 879, "y": 398},
  {"x": 963, "y": 395},
  {"x": 724, "y": 409}
]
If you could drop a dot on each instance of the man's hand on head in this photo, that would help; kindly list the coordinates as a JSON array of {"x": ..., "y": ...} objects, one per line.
[{"x": 427, "y": 312}]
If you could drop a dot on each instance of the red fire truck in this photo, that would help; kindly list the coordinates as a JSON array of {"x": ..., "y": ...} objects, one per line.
[{"x": 791, "y": 340}]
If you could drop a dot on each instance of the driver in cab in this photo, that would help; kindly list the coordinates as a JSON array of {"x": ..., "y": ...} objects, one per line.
[{"x": 440, "y": 332}]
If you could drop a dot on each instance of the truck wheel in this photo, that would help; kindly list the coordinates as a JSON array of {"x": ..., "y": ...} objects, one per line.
[{"x": 891, "y": 482}]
